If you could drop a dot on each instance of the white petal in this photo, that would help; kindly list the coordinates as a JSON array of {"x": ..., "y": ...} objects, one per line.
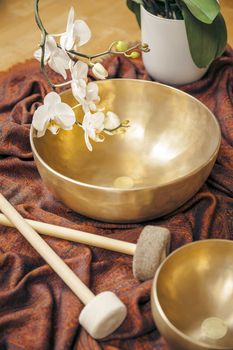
[
  {"x": 79, "y": 89},
  {"x": 94, "y": 134},
  {"x": 64, "y": 115},
  {"x": 92, "y": 92},
  {"x": 40, "y": 118},
  {"x": 86, "y": 120},
  {"x": 98, "y": 120},
  {"x": 59, "y": 61},
  {"x": 99, "y": 71},
  {"x": 50, "y": 47},
  {"x": 41, "y": 133},
  {"x": 70, "y": 20},
  {"x": 92, "y": 125},
  {"x": 81, "y": 32},
  {"x": 59, "y": 65},
  {"x": 87, "y": 141},
  {"x": 63, "y": 108},
  {"x": 65, "y": 122},
  {"x": 62, "y": 55},
  {"x": 92, "y": 106},
  {"x": 75, "y": 91},
  {"x": 54, "y": 129},
  {"x": 67, "y": 41},
  {"x": 82, "y": 88},
  {"x": 38, "y": 54},
  {"x": 52, "y": 98},
  {"x": 85, "y": 105},
  {"x": 68, "y": 127},
  {"x": 50, "y": 44},
  {"x": 95, "y": 137},
  {"x": 99, "y": 138},
  {"x": 79, "y": 70},
  {"x": 112, "y": 121},
  {"x": 71, "y": 65}
]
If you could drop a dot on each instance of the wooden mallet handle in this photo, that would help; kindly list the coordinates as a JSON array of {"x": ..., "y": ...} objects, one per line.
[
  {"x": 56, "y": 263},
  {"x": 77, "y": 236},
  {"x": 102, "y": 313}
]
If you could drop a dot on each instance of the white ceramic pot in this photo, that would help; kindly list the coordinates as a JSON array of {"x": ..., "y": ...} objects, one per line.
[{"x": 169, "y": 60}]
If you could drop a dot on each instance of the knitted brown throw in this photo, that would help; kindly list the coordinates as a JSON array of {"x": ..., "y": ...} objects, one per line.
[{"x": 37, "y": 311}]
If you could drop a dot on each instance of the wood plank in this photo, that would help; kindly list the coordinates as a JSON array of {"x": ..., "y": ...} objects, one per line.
[{"x": 108, "y": 22}]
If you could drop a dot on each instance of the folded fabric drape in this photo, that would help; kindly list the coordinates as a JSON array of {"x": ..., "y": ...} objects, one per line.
[{"x": 37, "y": 311}]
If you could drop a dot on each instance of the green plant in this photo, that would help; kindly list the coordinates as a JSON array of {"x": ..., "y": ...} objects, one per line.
[{"x": 205, "y": 25}]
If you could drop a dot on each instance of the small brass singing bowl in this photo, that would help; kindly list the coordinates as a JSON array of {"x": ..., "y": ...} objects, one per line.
[
  {"x": 161, "y": 161},
  {"x": 192, "y": 296}
]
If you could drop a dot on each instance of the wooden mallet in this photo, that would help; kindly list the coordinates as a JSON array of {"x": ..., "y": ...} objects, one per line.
[
  {"x": 103, "y": 313},
  {"x": 151, "y": 249}
]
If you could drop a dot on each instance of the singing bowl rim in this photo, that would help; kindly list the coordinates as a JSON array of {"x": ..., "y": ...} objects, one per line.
[
  {"x": 114, "y": 189},
  {"x": 162, "y": 314}
]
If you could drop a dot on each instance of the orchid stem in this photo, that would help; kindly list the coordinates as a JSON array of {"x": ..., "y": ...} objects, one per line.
[
  {"x": 44, "y": 34},
  {"x": 104, "y": 53},
  {"x": 110, "y": 50}
]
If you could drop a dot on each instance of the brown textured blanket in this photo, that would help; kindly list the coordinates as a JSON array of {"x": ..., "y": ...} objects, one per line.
[{"x": 37, "y": 311}]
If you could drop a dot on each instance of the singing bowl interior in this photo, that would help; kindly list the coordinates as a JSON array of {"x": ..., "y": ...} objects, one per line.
[
  {"x": 193, "y": 284},
  {"x": 172, "y": 137}
]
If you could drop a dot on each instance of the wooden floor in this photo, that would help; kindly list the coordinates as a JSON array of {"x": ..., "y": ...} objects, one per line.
[{"x": 108, "y": 20}]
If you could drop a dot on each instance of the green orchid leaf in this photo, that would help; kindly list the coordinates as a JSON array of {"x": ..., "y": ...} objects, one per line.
[
  {"x": 206, "y": 41},
  {"x": 204, "y": 10},
  {"x": 135, "y": 7}
]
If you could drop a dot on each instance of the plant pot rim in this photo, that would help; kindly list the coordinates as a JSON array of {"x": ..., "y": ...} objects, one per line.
[{"x": 162, "y": 18}]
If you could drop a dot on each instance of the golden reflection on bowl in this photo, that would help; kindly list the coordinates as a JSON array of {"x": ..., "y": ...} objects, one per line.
[
  {"x": 164, "y": 157},
  {"x": 192, "y": 296}
]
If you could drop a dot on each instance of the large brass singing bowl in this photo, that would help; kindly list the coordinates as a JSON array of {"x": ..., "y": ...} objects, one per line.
[
  {"x": 192, "y": 296},
  {"x": 164, "y": 157}
]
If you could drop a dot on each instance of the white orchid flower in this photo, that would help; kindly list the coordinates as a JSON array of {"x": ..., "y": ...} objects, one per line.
[
  {"x": 56, "y": 58},
  {"x": 112, "y": 121},
  {"x": 92, "y": 125},
  {"x": 77, "y": 33},
  {"x": 99, "y": 71},
  {"x": 79, "y": 89},
  {"x": 79, "y": 72},
  {"x": 92, "y": 97},
  {"x": 53, "y": 115},
  {"x": 88, "y": 96}
]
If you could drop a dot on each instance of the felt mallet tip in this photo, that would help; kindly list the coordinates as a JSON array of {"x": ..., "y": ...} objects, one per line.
[
  {"x": 152, "y": 248},
  {"x": 103, "y": 315}
]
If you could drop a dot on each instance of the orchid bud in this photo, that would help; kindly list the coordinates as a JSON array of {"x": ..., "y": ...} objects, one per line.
[
  {"x": 134, "y": 54},
  {"x": 121, "y": 46},
  {"x": 125, "y": 123},
  {"x": 99, "y": 71},
  {"x": 145, "y": 46}
]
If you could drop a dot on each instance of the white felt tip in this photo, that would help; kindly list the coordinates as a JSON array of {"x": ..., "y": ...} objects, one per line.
[
  {"x": 152, "y": 248},
  {"x": 103, "y": 315}
]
